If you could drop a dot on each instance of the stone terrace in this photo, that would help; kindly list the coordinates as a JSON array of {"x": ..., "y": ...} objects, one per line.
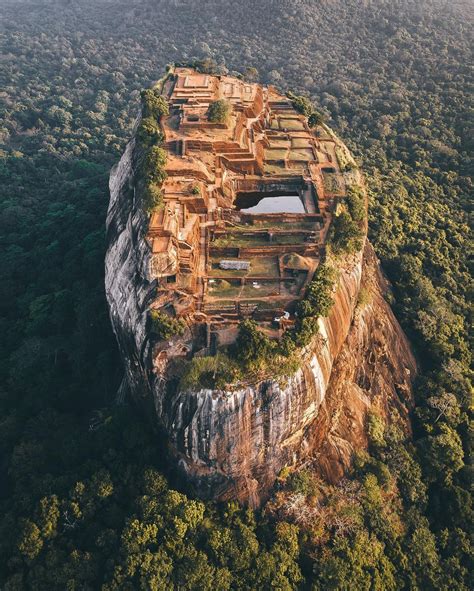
[{"x": 264, "y": 150}]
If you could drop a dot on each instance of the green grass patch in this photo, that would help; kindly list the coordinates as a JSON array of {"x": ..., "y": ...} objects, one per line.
[
  {"x": 262, "y": 290},
  {"x": 236, "y": 239},
  {"x": 302, "y": 154},
  {"x": 332, "y": 182},
  {"x": 292, "y": 124},
  {"x": 266, "y": 304},
  {"x": 293, "y": 225},
  {"x": 223, "y": 289},
  {"x": 264, "y": 267},
  {"x": 276, "y": 153},
  {"x": 216, "y": 271},
  {"x": 287, "y": 239}
]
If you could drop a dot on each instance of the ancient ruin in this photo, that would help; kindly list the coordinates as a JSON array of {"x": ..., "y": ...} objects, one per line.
[{"x": 247, "y": 206}]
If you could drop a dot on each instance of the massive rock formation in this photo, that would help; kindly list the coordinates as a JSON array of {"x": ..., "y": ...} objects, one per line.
[{"x": 233, "y": 444}]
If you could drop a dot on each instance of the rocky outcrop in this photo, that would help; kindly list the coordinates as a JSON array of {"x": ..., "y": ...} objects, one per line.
[
  {"x": 233, "y": 444},
  {"x": 373, "y": 371}
]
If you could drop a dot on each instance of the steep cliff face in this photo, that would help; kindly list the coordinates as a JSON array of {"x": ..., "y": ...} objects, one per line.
[
  {"x": 127, "y": 285},
  {"x": 373, "y": 371},
  {"x": 233, "y": 444}
]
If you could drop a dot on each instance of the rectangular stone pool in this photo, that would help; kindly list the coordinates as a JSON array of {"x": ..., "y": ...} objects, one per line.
[{"x": 258, "y": 203}]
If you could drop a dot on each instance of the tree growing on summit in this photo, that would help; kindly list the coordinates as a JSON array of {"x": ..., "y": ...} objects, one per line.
[
  {"x": 252, "y": 346},
  {"x": 154, "y": 105},
  {"x": 250, "y": 74},
  {"x": 152, "y": 197},
  {"x": 315, "y": 118},
  {"x": 302, "y": 104},
  {"x": 319, "y": 293},
  {"x": 165, "y": 326},
  {"x": 154, "y": 165},
  {"x": 149, "y": 132},
  {"x": 356, "y": 203},
  {"x": 346, "y": 234},
  {"x": 219, "y": 111}
]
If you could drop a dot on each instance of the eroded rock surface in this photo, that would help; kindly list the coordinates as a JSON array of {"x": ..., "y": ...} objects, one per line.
[{"x": 374, "y": 371}]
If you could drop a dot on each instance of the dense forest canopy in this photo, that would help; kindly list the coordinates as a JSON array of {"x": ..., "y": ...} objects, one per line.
[{"x": 84, "y": 502}]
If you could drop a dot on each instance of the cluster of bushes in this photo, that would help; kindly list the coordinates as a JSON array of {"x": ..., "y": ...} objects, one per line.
[
  {"x": 219, "y": 111},
  {"x": 318, "y": 302},
  {"x": 209, "y": 372},
  {"x": 153, "y": 104},
  {"x": 257, "y": 353},
  {"x": 253, "y": 349},
  {"x": 355, "y": 201},
  {"x": 165, "y": 326},
  {"x": 150, "y": 136},
  {"x": 206, "y": 65},
  {"x": 303, "y": 105},
  {"x": 149, "y": 132},
  {"x": 347, "y": 232},
  {"x": 152, "y": 176}
]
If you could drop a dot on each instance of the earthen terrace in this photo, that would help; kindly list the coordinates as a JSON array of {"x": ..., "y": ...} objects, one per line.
[{"x": 214, "y": 172}]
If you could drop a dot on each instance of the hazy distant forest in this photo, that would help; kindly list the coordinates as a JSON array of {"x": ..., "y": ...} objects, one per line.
[{"x": 84, "y": 503}]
